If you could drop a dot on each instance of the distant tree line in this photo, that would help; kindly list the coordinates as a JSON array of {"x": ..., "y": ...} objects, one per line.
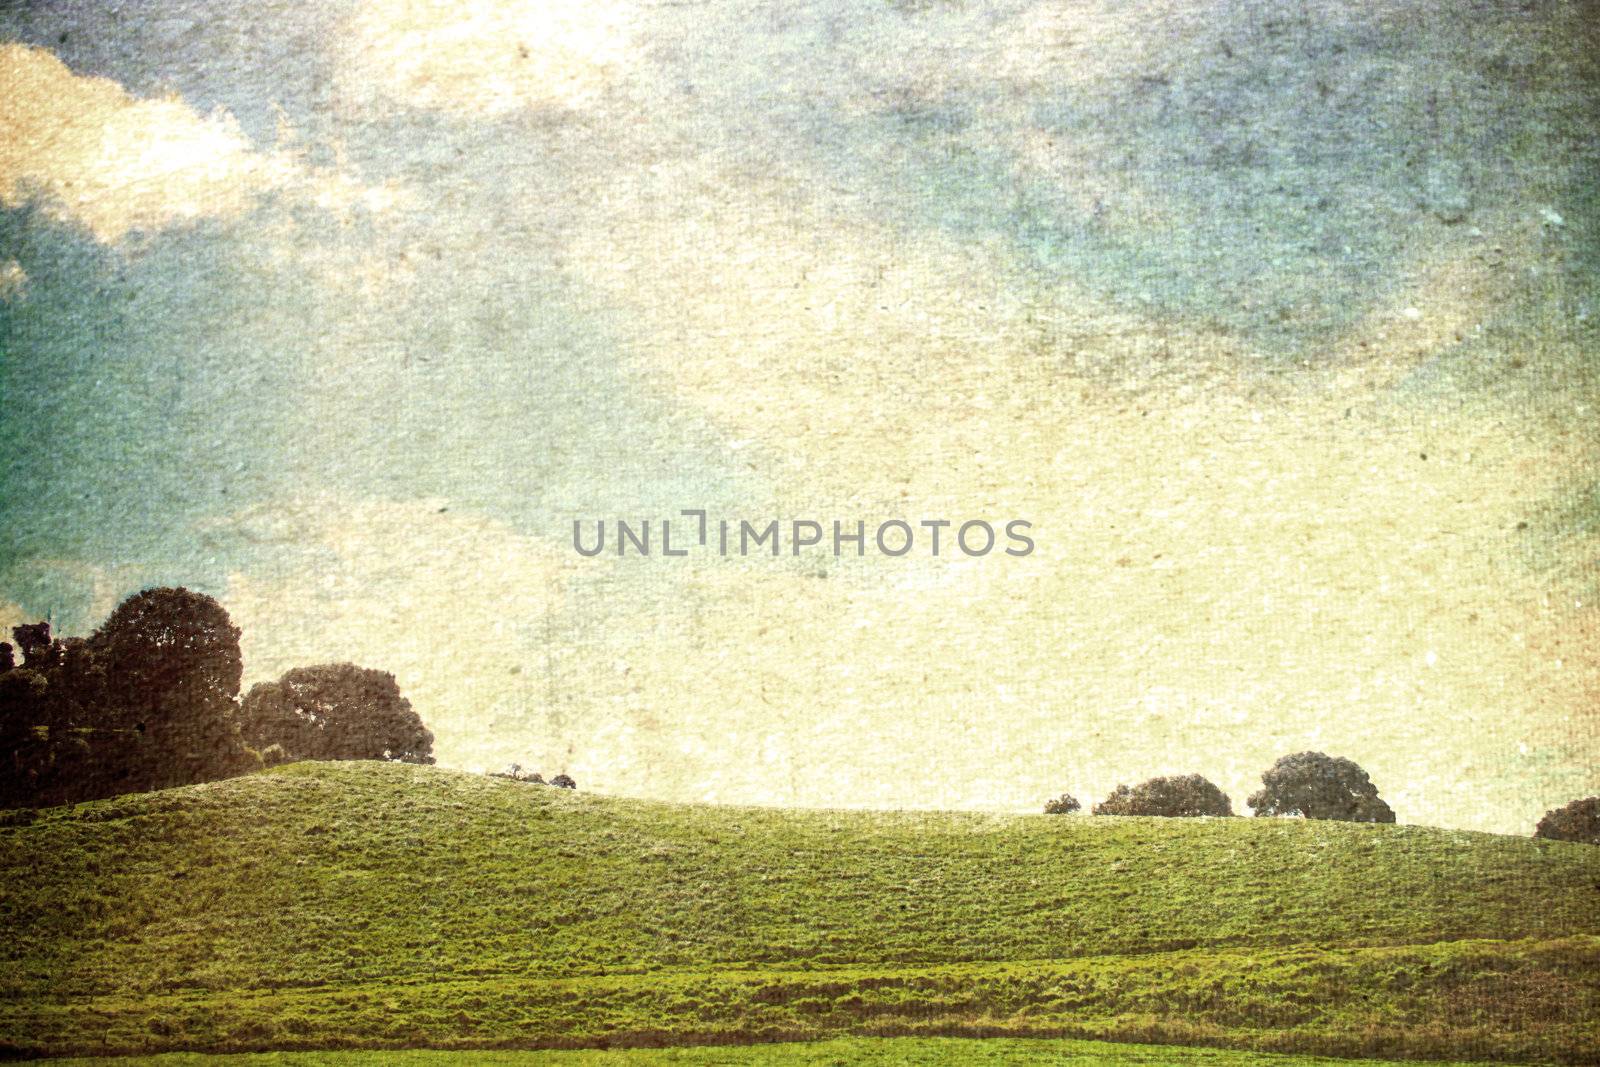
[
  {"x": 516, "y": 773},
  {"x": 1310, "y": 785},
  {"x": 151, "y": 700}
]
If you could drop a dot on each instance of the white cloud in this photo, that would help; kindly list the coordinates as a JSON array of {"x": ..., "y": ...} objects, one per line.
[
  {"x": 90, "y": 153},
  {"x": 483, "y": 57}
]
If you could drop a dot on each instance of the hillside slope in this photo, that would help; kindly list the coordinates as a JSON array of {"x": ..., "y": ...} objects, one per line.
[
  {"x": 327, "y": 905},
  {"x": 854, "y": 1051}
]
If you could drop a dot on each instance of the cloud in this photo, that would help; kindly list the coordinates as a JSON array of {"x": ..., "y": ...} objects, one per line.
[
  {"x": 90, "y": 153},
  {"x": 452, "y": 603},
  {"x": 483, "y": 57}
]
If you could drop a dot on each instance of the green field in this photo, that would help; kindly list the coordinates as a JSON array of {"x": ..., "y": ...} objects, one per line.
[
  {"x": 338, "y": 906},
  {"x": 848, "y": 1052}
]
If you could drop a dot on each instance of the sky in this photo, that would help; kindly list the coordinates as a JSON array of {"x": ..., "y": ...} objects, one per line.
[{"x": 1278, "y": 325}]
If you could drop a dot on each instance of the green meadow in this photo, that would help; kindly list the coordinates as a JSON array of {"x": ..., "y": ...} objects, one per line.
[
  {"x": 845, "y": 1052},
  {"x": 322, "y": 908}
]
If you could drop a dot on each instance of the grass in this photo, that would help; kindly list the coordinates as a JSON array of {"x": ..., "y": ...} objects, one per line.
[
  {"x": 872, "y": 1052},
  {"x": 330, "y": 906}
]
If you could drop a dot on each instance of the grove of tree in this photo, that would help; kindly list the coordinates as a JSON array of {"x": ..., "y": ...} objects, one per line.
[{"x": 150, "y": 700}]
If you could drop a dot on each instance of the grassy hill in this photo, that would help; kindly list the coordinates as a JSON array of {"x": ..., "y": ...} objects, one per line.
[
  {"x": 372, "y": 905},
  {"x": 839, "y": 1052}
]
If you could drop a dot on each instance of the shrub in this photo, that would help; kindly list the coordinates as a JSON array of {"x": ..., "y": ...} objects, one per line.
[
  {"x": 1181, "y": 796},
  {"x": 1578, "y": 821},
  {"x": 1065, "y": 804}
]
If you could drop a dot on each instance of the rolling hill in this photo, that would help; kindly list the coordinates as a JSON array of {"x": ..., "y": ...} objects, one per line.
[{"x": 361, "y": 905}]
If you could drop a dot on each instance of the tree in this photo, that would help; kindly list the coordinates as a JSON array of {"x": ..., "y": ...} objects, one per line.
[
  {"x": 1065, "y": 804},
  {"x": 45, "y": 739},
  {"x": 167, "y": 646},
  {"x": 159, "y": 680},
  {"x": 1578, "y": 821},
  {"x": 1182, "y": 796},
  {"x": 36, "y": 645},
  {"x": 334, "y": 711},
  {"x": 25, "y": 757},
  {"x": 147, "y": 702},
  {"x": 1318, "y": 786}
]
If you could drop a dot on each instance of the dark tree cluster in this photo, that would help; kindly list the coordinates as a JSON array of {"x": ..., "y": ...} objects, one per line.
[
  {"x": 145, "y": 702},
  {"x": 150, "y": 700}
]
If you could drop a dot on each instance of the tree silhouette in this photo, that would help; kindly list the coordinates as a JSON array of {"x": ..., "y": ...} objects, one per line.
[
  {"x": 334, "y": 711},
  {"x": 1578, "y": 821},
  {"x": 1182, "y": 796},
  {"x": 25, "y": 757},
  {"x": 146, "y": 703},
  {"x": 1319, "y": 786},
  {"x": 37, "y": 647},
  {"x": 161, "y": 676}
]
